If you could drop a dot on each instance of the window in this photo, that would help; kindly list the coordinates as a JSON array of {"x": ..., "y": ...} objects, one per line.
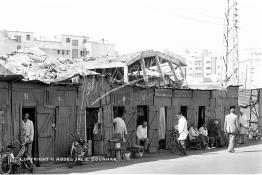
[
  {"x": 18, "y": 47},
  {"x": 63, "y": 52},
  {"x": 58, "y": 51},
  {"x": 67, "y": 52},
  {"x": 28, "y": 37},
  {"x": 74, "y": 53},
  {"x": 18, "y": 39},
  {"x": 84, "y": 41},
  {"x": 208, "y": 68},
  {"x": 83, "y": 53},
  {"x": 68, "y": 40},
  {"x": 75, "y": 42}
]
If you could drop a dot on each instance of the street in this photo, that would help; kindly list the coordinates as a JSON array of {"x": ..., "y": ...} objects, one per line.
[{"x": 246, "y": 160}]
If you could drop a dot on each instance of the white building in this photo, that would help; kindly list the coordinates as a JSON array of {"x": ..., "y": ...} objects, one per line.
[
  {"x": 69, "y": 46},
  {"x": 203, "y": 65},
  {"x": 250, "y": 68}
]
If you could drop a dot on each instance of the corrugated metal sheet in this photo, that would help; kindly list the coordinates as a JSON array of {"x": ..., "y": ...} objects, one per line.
[{"x": 243, "y": 98}]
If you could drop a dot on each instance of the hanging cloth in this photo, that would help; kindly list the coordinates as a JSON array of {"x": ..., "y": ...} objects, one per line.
[{"x": 162, "y": 123}]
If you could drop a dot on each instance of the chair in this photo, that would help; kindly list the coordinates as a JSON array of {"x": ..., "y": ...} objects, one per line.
[{"x": 194, "y": 144}]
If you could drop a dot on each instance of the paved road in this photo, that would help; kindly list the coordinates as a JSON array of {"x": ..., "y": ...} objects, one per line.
[{"x": 247, "y": 159}]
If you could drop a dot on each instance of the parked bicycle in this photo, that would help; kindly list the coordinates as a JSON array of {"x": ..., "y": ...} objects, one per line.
[
  {"x": 78, "y": 151},
  {"x": 173, "y": 142},
  {"x": 10, "y": 163}
]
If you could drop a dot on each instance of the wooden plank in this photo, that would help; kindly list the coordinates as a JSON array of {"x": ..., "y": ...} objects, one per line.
[
  {"x": 130, "y": 120},
  {"x": 183, "y": 93},
  {"x": 125, "y": 74},
  {"x": 143, "y": 67},
  {"x": 160, "y": 69},
  {"x": 45, "y": 118},
  {"x": 162, "y": 101},
  {"x": 62, "y": 140},
  {"x": 153, "y": 128},
  {"x": 173, "y": 70},
  {"x": 163, "y": 92}
]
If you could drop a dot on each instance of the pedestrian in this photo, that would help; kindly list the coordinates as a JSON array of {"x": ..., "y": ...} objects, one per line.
[
  {"x": 28, "y": 133},
  {"x": 120, "y": 130},
  {"x": 183, "y": 132},
  {"x": 244, "y": 126},
  {"x": 231, "y": 127}
]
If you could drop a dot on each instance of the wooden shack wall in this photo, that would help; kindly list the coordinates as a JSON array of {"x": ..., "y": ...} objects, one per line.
[
  {"x": 25, "y": 95},
  {"x": 5, "y": 116},
  {"x": 64, "y": 99},
  {"x": 94, "y": 93}
]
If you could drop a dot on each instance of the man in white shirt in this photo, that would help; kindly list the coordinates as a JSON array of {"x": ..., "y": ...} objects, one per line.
[
  {"x": 28, "y": 133},
  {"x": 183, "y": 132},
  {"x": 120, "y": 130},
  {"x": 231, "y": 127},
  {"x": 194, "y": 134},
  {"x": 206, "y": 140},
  {"x": 141, "y": 134}
]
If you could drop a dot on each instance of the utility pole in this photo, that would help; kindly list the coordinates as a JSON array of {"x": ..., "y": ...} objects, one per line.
[{"x": 231, "y": 57}]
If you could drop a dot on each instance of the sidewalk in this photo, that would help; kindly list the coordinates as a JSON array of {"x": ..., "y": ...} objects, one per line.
[{"x": 161, "y": 155}]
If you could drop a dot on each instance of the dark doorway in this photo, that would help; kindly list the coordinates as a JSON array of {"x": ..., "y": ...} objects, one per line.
[
  {"x": 91, "y": 119},
  {"x": 118, "y": 111},
  {"x": 183, "y": 110},
  {"x": 142, "y": 115},
  {"x": 201, "y": 115},
  {"x": 32, "y": 116}
]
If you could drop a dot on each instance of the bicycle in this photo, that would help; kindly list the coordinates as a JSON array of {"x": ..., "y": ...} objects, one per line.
[{"x": 174, "y": 145}]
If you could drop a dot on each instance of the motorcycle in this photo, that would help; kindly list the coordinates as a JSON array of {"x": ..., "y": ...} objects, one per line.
[
  {"x": 78, "y": 151},
  {"x": 10, "y": 163}
]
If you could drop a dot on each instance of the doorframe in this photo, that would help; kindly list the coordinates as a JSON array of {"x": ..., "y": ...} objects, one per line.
[{"x": 35, "y": 146}]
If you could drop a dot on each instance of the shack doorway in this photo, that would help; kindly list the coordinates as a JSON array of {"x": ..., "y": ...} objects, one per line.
[
  {"x": 162, "y": 127},
  {"x": 91, "y": 134},
  {"x": 32, "y": 116},
  {"x": 183, "y": 110},
  {"x": 201, "y": 115},
  {"x": 142, "y": 115}
]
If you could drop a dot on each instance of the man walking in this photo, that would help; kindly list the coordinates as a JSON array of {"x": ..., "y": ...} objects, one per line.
[
  {"x": 231, "y": 127},
  {"x": 28, "y": 133},
  {"x": 183, "y": 132}
]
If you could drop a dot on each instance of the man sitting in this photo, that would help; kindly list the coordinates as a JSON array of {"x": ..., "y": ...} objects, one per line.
[
  {"x": 216, "y": 134},
  {"x": 141, "y": 134},
  {"x": 206, "y": 140},
  {"x": 194, "y": 133}
]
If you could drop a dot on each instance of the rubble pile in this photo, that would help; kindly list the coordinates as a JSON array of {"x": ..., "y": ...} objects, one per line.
[{"x": 34, "y": 64}]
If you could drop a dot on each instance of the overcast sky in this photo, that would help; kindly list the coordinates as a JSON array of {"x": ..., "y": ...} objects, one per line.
[{"x": 134, "y": 25}]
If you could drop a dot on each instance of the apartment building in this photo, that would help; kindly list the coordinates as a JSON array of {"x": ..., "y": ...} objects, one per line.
[
  {"x": 202, "y": 65},
  {"x": 68, "y": 46},
  {"x": 250, "y": 68}
]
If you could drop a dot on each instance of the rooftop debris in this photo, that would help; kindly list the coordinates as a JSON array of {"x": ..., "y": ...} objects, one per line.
[{"x": 34, "y": 64}]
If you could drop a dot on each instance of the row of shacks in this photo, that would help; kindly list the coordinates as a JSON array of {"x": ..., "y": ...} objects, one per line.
[{"x": 87, "y": 104}]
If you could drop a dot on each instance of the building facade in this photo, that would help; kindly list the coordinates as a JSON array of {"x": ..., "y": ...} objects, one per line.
[
  {"x": 250, "y": 68},
  {"x": 201, "y": 65},
  {"x": 68, "y": 46}
]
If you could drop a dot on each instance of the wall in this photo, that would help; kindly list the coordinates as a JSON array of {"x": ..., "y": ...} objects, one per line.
[{"x": 5, "y": 115}]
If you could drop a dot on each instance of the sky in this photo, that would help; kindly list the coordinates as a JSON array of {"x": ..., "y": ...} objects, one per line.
[{"x": 135, "y": 25}]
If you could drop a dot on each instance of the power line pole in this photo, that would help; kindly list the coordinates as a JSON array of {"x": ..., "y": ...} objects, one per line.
[{"x": 231, "y": 57}]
